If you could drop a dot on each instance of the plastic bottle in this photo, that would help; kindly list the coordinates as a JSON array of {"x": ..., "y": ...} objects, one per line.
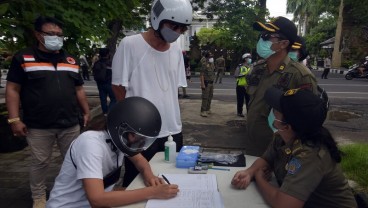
[{"x": 170, "y": 150}]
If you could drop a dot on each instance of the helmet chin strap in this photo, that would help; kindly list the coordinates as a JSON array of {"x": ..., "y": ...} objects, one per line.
[{"x": 112, "y": 145}]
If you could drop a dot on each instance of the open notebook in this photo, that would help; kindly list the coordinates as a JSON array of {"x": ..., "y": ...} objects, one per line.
[{"x": 196, "y": 191}]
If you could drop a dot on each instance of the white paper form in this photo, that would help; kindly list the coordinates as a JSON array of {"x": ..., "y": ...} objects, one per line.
[{"x": 196, "y": 191}]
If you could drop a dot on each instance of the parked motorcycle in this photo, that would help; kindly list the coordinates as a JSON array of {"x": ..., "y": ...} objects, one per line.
[{"x": 353, "y": 72}]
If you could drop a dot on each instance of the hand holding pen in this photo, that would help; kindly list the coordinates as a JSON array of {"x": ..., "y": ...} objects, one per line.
[
  {"x": 167, "y": 180},
  {"x": 165, "y": 191}
]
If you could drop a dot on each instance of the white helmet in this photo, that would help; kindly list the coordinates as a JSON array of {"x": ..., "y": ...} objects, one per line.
[
  {"x": 366, "y": 58},
  {"x": 179, "y": 11},
  {"x": 246, "y": 55}
]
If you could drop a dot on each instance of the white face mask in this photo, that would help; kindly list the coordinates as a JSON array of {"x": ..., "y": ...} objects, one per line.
[
  {"x": 210, "y": 60},
  {"x": 169, "y": 35},
  {"x": 53, "y": 43}
]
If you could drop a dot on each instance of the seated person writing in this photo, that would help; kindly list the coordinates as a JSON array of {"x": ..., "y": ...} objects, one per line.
[
  {"x": 303, "y": 156},
  {"x": 92, "y": 164}
]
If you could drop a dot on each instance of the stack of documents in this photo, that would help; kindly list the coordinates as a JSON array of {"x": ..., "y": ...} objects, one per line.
[{"x": 196, "y": 191}]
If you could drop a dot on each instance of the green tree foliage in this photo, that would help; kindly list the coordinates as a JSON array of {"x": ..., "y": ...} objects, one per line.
[
  {"x": 324, "y": 30},
  {"x": 85, "y": 21},
  {"x": 357, "y": 10},
  {"x": 233, "y": 30},
  {"x": 309, "y": 13}
]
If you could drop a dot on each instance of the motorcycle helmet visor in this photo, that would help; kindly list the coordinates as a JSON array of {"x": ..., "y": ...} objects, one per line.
[{"x": 134, "y": 141}]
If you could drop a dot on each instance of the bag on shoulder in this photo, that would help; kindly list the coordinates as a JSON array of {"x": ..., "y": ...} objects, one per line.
[{"x": 99, "y": 71}]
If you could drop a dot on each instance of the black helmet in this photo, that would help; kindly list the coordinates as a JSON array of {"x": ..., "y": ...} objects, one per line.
[{"x": 133, "y": 125}]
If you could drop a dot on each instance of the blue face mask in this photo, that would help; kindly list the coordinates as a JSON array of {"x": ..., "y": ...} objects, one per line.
[
  {"x": 293, "y": 55},
  {"x": 249, "y": 61},
  {"x": 264, "y": 48},
  {"x": 271, "y": 119}
]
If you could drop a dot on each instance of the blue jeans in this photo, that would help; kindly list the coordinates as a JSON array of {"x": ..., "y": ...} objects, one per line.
[{"x": 104, "y": 91}]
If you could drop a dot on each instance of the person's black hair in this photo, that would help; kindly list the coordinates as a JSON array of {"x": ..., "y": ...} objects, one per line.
[
  {"x": 41, "y": 20},
  {"x": 322, "y": 137},
  {"x": 103, "y": 52}
]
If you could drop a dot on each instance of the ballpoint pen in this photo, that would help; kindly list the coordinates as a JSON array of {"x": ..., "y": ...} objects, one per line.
[
  {"x": 227, "y": 169},
  {"x": 167, "y": 181}
]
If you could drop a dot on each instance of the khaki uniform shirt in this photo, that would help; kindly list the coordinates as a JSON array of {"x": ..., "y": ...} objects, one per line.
[
  {"x": 309, "y": 174},
  {"x": 290, "y": 75},
  {"x": 207, "y": 70}
]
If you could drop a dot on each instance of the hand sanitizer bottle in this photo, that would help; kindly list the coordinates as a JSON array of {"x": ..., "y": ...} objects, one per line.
[{"x": 170, "y": 150}]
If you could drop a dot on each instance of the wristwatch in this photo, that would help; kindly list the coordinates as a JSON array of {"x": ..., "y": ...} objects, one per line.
[{"x": 13, "y": 120}]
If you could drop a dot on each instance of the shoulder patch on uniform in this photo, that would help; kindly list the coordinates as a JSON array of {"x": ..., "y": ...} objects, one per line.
[
  {"x": 291, "y": 92},
  {"x": 293, "y": 166},
  {"x": 70, "y": 60}
]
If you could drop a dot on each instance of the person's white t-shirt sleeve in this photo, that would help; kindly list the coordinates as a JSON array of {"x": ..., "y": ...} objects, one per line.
[{"x": 119, "y": 62}]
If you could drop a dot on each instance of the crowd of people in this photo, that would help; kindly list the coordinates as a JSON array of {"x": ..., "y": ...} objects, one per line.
[{"x": 285, "y": 114}]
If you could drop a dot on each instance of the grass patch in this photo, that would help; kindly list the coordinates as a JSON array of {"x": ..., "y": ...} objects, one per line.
[{"x": 355, "y": 164}]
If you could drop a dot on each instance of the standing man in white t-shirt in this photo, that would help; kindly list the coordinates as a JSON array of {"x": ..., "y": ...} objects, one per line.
[{"x": 151, "y": 65}]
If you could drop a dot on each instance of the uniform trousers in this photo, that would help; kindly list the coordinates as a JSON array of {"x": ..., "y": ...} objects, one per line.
[
  {"x": 241, "y": 96},
  {"x": 41, "y": 142},
  {"x": 158, "y": 146},
  {"x": 220, "y": 74},
  {"x": 325, "y": 73},
  {"x": 207, "y": 95}
]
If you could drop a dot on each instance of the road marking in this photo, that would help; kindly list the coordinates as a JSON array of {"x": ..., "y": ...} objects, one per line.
[{"x": 345, "y": 85}]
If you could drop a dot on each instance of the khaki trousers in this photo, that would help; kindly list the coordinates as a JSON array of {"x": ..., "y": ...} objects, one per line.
[
  {"x": 41, "y": 142},
  {"x": 207, "y": 94}
]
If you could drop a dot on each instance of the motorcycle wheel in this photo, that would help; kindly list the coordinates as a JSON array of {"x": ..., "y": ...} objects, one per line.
[{"x": 349, "y": 76}]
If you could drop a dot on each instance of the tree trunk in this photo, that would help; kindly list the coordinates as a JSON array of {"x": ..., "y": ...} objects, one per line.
[
  {"x": 115, "y": 27},
  {"x": 336, "y": 55},
  {"x": 262, "y": 9}
]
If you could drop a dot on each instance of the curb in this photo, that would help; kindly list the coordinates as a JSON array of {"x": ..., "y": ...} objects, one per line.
[
  {"x": 335, "y": 71},
  {"x": 338, "y": 71}
]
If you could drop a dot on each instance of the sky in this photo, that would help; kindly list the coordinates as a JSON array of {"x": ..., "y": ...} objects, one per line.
[{"x": 278, "y": 8}]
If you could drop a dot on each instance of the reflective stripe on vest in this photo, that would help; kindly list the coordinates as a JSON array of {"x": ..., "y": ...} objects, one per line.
[
  {"x": 242, "y": 81},
  {"x": 39, "y": 66}
]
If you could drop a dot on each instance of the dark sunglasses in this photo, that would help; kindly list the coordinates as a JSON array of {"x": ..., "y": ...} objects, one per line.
[
  {"x": 182, "y": 28},
  {"x": 53, "y": 34},
  {"x": 268, "y": 36}
]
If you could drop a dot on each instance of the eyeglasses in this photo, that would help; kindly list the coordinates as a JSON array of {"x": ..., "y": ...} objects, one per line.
[
  {"x": 61, "y": 35},
  {"x": 268, "y": 36},
  {"x": 182, "y": 28}
]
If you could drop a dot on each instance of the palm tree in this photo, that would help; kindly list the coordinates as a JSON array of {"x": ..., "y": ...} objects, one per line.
[{"x": 307, "y": 13}]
